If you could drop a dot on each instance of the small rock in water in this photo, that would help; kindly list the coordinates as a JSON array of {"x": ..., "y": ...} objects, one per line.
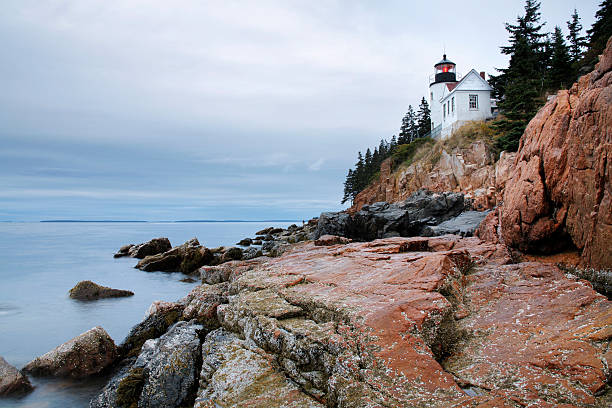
[
  {"x": 87, "y": 354},
  {"x": 11, "y": 380},
  {"x": 245, "y": 242},
  {"x": 88, "y": 290},
  {"x": 188, "y": 280}
]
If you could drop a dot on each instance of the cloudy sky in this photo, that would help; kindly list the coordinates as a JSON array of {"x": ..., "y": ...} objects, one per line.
[{"x": 173, "y": 110}]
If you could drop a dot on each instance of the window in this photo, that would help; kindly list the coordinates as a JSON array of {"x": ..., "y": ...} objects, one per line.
[
  {"x": 453, "y": 104},
  {"x": 431, "y": 96},
  {"x": 444, "y": 109},
  {"x": 473, "y": 102}
]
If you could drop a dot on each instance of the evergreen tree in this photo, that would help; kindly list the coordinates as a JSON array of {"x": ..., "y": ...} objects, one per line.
[
  {"x": 348, "y": 187},
  {"x": 393, "y": 144},
  {"x": 577, "y": 42},
  {"x": 523, "y": 81},
  {"x": 408, "y": 128},
  {"x": 368, "y": 165},
  {"x": 599, "y": 32},
  {"x": 561, "y": 72},
  {"x": 424, "y": 118}
]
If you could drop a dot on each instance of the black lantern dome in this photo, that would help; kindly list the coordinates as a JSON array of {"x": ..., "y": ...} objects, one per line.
[{"x": 445, "y": 71}]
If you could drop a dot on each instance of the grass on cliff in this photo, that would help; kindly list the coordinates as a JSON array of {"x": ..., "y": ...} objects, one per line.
[{"x": 428, "y": 151}]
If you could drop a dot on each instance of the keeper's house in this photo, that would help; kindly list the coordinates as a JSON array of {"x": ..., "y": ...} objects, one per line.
[{"x": 454, "y": 102}]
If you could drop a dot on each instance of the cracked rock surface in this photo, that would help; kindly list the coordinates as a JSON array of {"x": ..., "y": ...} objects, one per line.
[{"x": 417, "y": 322}]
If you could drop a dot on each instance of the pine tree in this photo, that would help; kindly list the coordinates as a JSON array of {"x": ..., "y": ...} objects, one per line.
[
  {"x": 577, "y": 42},
  {"x": 408, "y": 128},
  {"x": 523, "y": 81},
  {"x": 424, "y": 118},
  {"x": 561, "y": 72},
  {"x": 368, "y": 164},
  {"x": 599, "y": 33},
  {"x": 393, "y": 144},
  {"x": 348, "y": 188}
]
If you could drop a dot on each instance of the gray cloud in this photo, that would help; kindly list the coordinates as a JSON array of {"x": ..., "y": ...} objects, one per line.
[{"x": 223, "y": 103}]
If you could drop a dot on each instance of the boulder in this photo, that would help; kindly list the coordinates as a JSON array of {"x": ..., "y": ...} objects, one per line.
[
  {"x": 264, "y": 231},
  {"x": 235, "y": 373},
  {"x": 407, "y": 218},
  {"x": 170, "y": 367},
  {"x": 152, "y": 247},
  {"x": 245, "y": 242},
  {"x": 124, "y": 251},
  {"x": 465, "y": 224},
  {"x": 12, "y": 381},
  {"x": 85, "y": 355},
  {"x": 88, "y": 290},
  {"x": 163, "y": 376},
  {"x": 163, "y": 315},
  {"x": 251, "y": 253},
  {"x": 232, "y": 254},
  {"x": 186, "y": 258},
  {"x": 561, "y": 190}
]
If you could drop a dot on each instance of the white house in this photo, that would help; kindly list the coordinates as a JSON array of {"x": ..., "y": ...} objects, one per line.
[{"x": 453, "y": 102}]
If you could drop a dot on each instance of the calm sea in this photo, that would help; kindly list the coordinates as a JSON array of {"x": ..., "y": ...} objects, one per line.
[{"x": 40, "y": 262}]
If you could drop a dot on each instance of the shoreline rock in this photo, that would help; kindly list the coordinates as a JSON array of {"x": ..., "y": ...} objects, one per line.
[
  {"x": 152, "y": 247},
  {"x": 87, "y": 354},
  {"x": 88, "y": 290},
  {"x": 12, "y": 381}
]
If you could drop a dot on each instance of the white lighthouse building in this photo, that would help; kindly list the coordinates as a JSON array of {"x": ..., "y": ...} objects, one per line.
[{"x": 453, "y": 102}]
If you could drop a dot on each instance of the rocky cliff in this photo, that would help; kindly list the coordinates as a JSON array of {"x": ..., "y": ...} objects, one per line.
[
  {"x": 465, "y": 163},
  {"x": 561, "y": 189}
]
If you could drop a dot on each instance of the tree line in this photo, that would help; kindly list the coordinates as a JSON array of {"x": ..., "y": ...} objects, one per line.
[
  {"x": 414, "y": 126},
  {"x": 542, "y": 63}
]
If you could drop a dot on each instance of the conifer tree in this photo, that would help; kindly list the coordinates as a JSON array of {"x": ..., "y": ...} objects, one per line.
[
  {"x": 599, "y": 33},
  {"x": 348, "y": 188},
  {"x": 408, "y": 128},
  {"x": 560, "y": 73},
  {"x": 577, "y": 41},
  {"x": 424, "y": 118},
  {"x": 524, "y": 80}
]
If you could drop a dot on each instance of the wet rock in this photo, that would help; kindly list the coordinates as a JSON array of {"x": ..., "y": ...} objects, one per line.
[
  {"x": 164, "y": 374},
  {"x": 170, "y": 367},
  {"x": 88, "y": 290},
  {"x": 82, "y": 356},
  {"x": 185, "y": 258},
  {"x": 153, "y": 326},
  {"x": 264, "y": 231},
  {"x": 327, "y": 240},
  {"x": 245, "y": 242},
  {"x": 152, "y": 247},
  {"x": 257, "y": 242},
  {"x": 465, "y": 224},
  {"x": 12, "y": 381},
  {"x": 123, "y": 251},
  {"x": 232, "y": 254},
  {"x": 236, "y": 374},
  {"x": 561, "y": 191},
  {"x": 251, "y": 253},
  {"x": 408, "y": 218}
]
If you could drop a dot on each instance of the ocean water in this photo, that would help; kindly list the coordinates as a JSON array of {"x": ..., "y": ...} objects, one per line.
[{"x": 41, "y": 262}]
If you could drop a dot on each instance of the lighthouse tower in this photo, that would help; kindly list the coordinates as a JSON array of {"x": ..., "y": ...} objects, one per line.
[{"x": 444, "y": 79}]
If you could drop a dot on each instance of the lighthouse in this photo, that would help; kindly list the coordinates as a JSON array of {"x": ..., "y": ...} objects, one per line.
[
  {"x": 454, "y": 102},
  {"x": 445, "y": 77}
]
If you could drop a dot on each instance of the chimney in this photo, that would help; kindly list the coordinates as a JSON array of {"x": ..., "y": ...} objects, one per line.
[{"x": 482, "y": 75}]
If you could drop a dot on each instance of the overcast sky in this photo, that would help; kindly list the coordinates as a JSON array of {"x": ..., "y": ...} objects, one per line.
[{"x": 173, "y": 110}]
